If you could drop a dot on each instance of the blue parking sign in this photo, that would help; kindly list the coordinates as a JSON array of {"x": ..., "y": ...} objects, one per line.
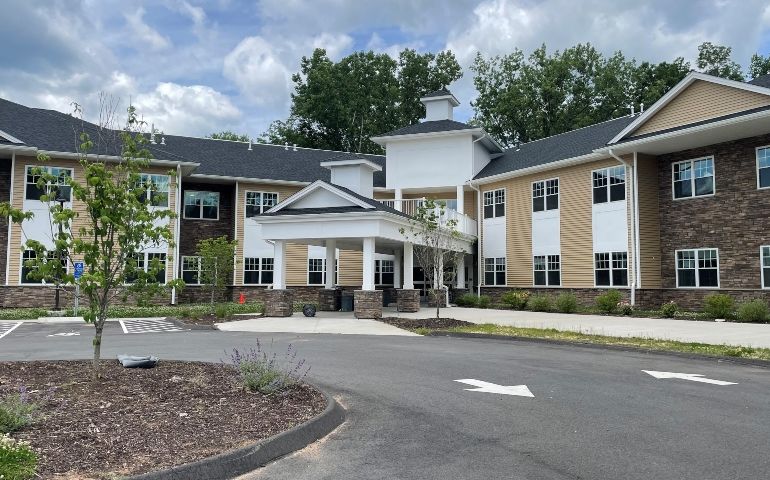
[{"x": 78, "y": 270}]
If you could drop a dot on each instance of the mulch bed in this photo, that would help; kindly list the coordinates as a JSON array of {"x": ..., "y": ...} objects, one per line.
[
  {"x": 433, "y": 323},
  {"x": 140, "y": 420},
  {"x": 210, "y": 319}
]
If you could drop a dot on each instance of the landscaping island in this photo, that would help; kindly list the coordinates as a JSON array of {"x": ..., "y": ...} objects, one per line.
[{"x": 134, "y": 421}]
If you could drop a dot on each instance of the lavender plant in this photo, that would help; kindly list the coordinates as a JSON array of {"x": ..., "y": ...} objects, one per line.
[
  {"x": 16, "y": 410},
  {"x": 262, "y": 370}
]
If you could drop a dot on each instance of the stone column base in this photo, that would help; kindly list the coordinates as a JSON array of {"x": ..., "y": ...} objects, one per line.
[
  {"x": 279, "y": 303},
  {"x": 367, "y": 303},
  {"x": 329, "y": 300},
  {"x": 408, "y": 300},
  {"x": 441, "y": 299}
]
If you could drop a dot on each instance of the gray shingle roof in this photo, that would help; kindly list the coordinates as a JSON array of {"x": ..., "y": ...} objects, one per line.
[
  {"x": 429, "y": 127},
  {"x": 56, "y": 131},
  {"x": 557, "y": 147},
  {"x": 761, "y": 81},
  {"x": 438, "y": 93}
]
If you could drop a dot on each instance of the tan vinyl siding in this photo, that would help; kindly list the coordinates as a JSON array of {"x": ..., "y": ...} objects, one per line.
[
  {"x": 351, "y": 268},
  {"x": 296, "y": 265},
  {"x": 283, "y": 191},
  {"x": 649, "y": 222},
  {"x": 701, "y": 101}
]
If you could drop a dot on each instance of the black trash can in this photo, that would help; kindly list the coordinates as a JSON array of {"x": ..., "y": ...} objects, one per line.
[{"x": 347, "y": 302}]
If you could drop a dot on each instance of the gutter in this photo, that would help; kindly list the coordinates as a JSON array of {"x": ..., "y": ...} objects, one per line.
[
  {"x": 10, "y": 223},
  {"x": 179, "y": 202},
  {"x": 479, "y": 223},
  {"x": 634, "y": 220}
]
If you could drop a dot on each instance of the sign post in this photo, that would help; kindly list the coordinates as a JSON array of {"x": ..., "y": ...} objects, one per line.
[{"x": 79, "y": 266}]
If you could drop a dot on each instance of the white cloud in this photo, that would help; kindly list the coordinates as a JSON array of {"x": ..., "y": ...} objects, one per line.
[
  {"x": 336, "y": 45},
  {"x": 258, "y": 72},
  {"x": 145, "y": 33}
]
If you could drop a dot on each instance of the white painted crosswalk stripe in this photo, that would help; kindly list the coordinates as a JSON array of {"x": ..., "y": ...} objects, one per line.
[
  {"x": 140, "y": 325},
  {"x": 7, "y": 327}
]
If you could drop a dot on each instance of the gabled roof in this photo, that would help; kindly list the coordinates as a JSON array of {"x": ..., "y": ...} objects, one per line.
[
  {"x": 575, "y": 143},
  {"x": 761, "y": 81},
  {"x": 428, "y": 127}
]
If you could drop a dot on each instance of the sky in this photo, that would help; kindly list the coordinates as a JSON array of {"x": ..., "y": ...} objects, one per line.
[{"x": 194, "y": 67}]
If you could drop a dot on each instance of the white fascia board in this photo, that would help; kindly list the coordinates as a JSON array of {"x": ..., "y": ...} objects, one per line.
[
  {"x": 356, "y": 161},
  {"x": 313, "y": 187},
  {"x": 412, "y": 136},
  {"x": 10, "y": 137},
  {"x": 249, "y": 179},
  {"x": 678, "y": 88},
  {"x": 567, "y": 162},
  {"x": 450, "y": 97}
]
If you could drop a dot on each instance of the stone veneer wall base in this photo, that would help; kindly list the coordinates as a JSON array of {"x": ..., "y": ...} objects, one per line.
[
  {"x": 408, "y": 300},
  {"x": 279, "y": 303},
  {"x": 367, "y": 303}
]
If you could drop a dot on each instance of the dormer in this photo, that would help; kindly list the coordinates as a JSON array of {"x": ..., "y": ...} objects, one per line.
[{"x": 439, "y": 105}]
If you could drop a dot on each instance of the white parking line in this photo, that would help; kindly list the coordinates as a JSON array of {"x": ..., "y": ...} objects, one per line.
[
  {"x": 142, "y": 325},
  {"x": 8, "y": 327}
]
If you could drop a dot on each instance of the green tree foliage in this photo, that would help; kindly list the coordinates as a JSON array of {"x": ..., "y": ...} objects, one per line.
[
  {"x": 229, "y": 135},
  {"x": 340, "y": 105},
  {"x": 217, "y": 264},
  {"x": 715, "y": 60},
  {"x": 759, "y": 65}
]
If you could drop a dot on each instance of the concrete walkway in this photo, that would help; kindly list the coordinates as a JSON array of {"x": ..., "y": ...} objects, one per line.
[
  {"x": 323, "y": 322},
  {"x": 716, "y": 333}
]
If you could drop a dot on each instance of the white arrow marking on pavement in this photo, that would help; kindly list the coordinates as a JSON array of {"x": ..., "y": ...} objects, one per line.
[
  {"x": 65, "y": 334},
  {"x": 486, "y": 387},
  {"x": 694, "y": 377}
]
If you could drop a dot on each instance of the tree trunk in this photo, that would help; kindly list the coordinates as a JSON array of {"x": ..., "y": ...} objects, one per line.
[{"x": 99, "y": 327}]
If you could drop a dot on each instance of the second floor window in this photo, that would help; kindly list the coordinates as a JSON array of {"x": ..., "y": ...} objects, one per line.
[
  {"x": 494, "y": 203},
  {"x": 157, "y": 187},
  {"x": 693, "y": 178},
  {"x": 204, "y": 205},
  {"x": 545, "y": 195},
  {"x": 259, "y": 202},
  {"x": 609, "y": 184},
  {"x": 53, "y": 190},
  {"x": 763, "y": 167}
]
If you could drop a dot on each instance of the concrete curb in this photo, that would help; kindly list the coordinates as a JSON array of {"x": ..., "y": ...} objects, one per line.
[
  {"x": 620, "y": 348},
  {"x": 244, "y": 460}
]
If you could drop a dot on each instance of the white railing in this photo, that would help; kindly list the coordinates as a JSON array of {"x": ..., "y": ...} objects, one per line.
[{"x": 411, "y": 206}]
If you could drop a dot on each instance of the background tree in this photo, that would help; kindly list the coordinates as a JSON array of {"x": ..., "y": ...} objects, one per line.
[
  {"x": 759, "y": 65},
  {"x": 715, "y": 60},
  {"x": 437, "y": 246},
  {"x": 217, "y": 257},
  {"x": 340, "y": 105},
  {"x": 229, "y": 135}
]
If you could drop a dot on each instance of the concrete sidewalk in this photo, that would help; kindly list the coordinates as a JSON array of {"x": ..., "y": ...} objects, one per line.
[
  {"x": 323, "y": 322},
  {"x": 716, "y": 333}
]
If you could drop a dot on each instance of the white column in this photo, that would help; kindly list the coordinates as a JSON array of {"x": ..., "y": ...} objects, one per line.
[
  {"x": 408, "y": 266},
  {"x": 461, "y": 272},
  {"x": 368, "y": 266},
  {"x": 397, "y": 204},
  {"x": 397, "y": 269},
  {"x": 279, "y": 265},
  {"x": 331, "y": 257},
  {"x": 460, "y": 199}
]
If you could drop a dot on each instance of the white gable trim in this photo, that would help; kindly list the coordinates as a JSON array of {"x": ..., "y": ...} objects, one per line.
[
  {"x": 678, "y": 88},
  {"x": 319, "y": 184},
  {"x": 9, "y": 137}
]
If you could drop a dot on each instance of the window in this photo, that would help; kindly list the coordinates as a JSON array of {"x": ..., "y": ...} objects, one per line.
[
  {"x": 494, "y": 203},
  {"x": 259, "y": 202},
  {"x": 609, "y": 184},
  {"x": 763, "y": 167},
  {"x": 52, "y": 190},
  {"x": 693, "y": 178},
  {"x": 611, "y": 269},
  {"x": 765, "y": 259},
  {"x": 545, "y": 195},
  {"x": 697, "y": 268},
  {"x": 257, "y": 271},
  {"x": 144, "y": 263},
  {"x": 27, "y": 269},
  {"x": 547, "y": 269},
  {"x": 157, "y": 187},
  {"x": 316, "y": 271},
  {"x": 494, "y": 271},
  {"x": 383, "y": 272},
  {"x": 191, "y": 270},
  {"x": 203, "y": 205}
]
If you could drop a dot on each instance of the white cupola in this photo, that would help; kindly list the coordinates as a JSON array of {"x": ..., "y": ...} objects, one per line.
[
  {"x": 356, "y": 175},
  {"x": 439, "y": 105}
]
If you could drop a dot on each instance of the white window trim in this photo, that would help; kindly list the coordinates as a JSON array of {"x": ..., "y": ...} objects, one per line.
[
  {"x": 697, "y": 268},
  {"x": 547, "y": 270},
  {"x": 146, "y": 262},
  {"x": 505, "y": 270},
  {"x": 168, "y": 193},
  {"x": 48, "y": 169},
  {"x": 692, "y": 179},
  {"x": 182, "y": 270},
  {"x": 762, "y": 268},
  {"x": 494, "y": 208},
  {"x": 261, "y": 192},
  {"x": 22, "y": 279},
  {"x": 323, "y": 271},
  {"x": 756, "y": 161},
  {"x": 545, "y": 195},
  {"x": 378, "y": 275},
  {"x": 259, "y": 270},
  {"x": 611, "y": 269},
  {"x": 184, "y": 206},
  {"x": 607, "y": 187}
]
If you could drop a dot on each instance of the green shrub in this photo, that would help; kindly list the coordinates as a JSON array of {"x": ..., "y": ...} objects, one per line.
[
  {"x": 719, "y": 305},
  {"x": 16, "y": 411},
  {"x": 625, "y": 308},
  {"x": 608, "y": 301},
  {"x": 263, "y": 372},
  {"x": 22, "y": 313},
  {"x": 669, "y": 309},
  {"x": 515, "y": 299},
  {"x": 467, "y": 300},
  {"x": 17, "y": 459},
  {"x": 540, "y": 303},
  {"x": 221, "y": 311},
  {"x": 566, "y": 302},
  {"x": 484, "y": 301},
  {"x": 753, "y": 311}
]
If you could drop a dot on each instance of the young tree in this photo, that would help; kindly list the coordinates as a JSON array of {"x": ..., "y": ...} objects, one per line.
[
  {"x": 217, "y": 257},
  {"x": 118, "y": 219},
  {"x": 437, "y": 246}
]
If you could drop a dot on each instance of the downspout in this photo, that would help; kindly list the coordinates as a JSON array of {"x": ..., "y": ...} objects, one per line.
[
  {"x": 179, "y": 199},
  {"x": 633, "y": 220},
  {"x": 235, "y": 231},
  {"x": 638, "y": 248},
  {"x": 10, "y": 223}
]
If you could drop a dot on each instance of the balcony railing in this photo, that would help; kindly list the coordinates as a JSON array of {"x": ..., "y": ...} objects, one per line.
[{"x": 411, "y": 206}]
